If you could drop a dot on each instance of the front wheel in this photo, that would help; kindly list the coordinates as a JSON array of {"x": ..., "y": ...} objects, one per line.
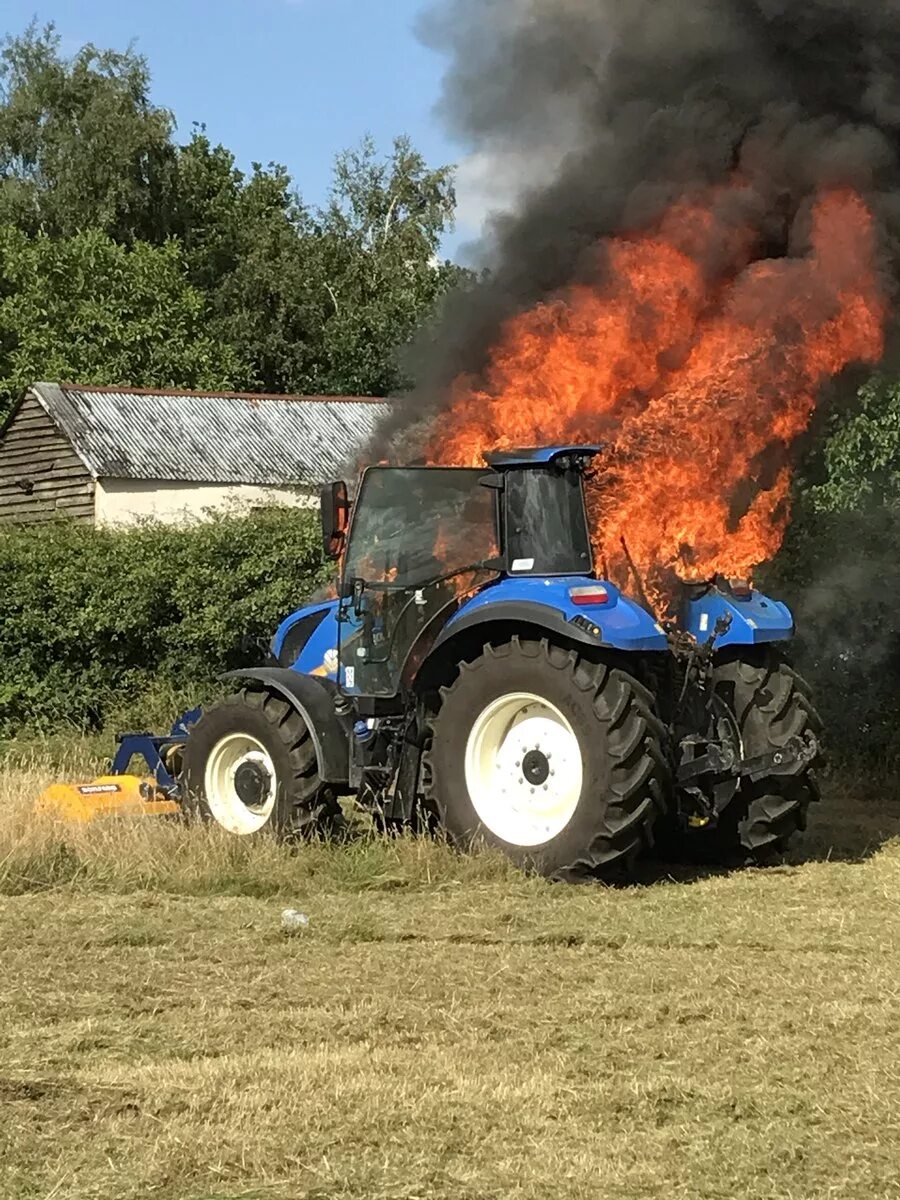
[
  {"x": 556, "y": 761},
  {"x": 250, "y": 765}
]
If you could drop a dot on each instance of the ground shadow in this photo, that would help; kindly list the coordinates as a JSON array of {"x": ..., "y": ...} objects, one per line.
[{"x": 856, "y": 816}]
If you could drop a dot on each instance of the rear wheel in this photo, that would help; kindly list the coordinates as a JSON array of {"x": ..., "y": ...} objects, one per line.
[
  {"x": 250, "y": 765},
  {"x": 556, "y": 761},
  {"x": 772, "y": 704}
]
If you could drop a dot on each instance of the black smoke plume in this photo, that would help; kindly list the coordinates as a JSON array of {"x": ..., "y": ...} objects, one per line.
[{"x": 610, "y": 109}]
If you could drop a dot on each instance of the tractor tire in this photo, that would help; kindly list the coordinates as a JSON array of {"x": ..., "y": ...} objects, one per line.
[
  {"x": 772, "y": 703},
  {"x": 556, "y": 761},
  {"x": 250, "y": 766}
]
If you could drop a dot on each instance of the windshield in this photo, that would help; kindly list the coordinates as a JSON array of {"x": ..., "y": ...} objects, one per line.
[
  {"x": 413, "y": 524},
  {"x": 546, "y": 524}
]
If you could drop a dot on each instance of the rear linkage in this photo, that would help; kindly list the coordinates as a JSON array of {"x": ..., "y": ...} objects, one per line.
[{"x": 711, "y": 767}]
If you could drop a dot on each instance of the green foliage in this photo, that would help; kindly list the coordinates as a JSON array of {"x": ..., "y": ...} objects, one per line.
[
  {"x": 862, "y": 456},
  {"x": 94, "y": 620},
  {"x": 84, "y": 308},
  {"x": 80, "y": 143},
  {"x": 218, "y": 212},
  {"x": 382, "y": 233}
]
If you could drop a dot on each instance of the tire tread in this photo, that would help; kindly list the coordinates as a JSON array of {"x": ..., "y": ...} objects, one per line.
[{"x": 770, "y": 812}]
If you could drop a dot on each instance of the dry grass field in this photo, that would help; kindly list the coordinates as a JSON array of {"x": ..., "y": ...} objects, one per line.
[{"x": 444, "y": 1027}]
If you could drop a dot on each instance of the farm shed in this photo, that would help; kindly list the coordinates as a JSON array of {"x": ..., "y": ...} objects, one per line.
[{"x": 115, "y": 456}]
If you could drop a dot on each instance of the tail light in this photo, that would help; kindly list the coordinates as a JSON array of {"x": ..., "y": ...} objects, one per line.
[{"x": 589, "y": 595}]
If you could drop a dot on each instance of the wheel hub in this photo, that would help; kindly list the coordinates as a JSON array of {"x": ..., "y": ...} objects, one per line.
[
  {"x": 240, "y": 783},
  {"x": 536, "y": 767},
  {"x": 252, "y": 782},
  {"x": 524, "y": 769}
]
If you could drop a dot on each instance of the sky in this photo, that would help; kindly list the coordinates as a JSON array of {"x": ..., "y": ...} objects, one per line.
[{"x": 290, "y": 81}]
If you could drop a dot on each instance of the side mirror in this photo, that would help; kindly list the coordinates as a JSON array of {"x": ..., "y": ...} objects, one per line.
[{"x": 335, "y": 518}]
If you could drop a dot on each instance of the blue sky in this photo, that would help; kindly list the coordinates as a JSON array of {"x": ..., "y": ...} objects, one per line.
[{"x": 287, "y": 80}]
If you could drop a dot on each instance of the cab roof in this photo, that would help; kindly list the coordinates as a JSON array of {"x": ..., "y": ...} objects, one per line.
[{"x": 538, "y": 456}]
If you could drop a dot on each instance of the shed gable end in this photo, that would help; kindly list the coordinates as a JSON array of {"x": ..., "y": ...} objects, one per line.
[{"x": 41, "y": 476}]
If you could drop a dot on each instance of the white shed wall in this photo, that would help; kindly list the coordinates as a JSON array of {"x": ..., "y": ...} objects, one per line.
[{"x": 130, "y": 501}]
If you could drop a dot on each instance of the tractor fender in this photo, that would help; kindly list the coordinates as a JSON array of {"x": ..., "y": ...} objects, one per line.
[
  {"x": 622, "y": 624},
  {"x": 519, "y": 612},
  {"x": 313, "y": 699},
  {"x": 755, "y": 619}
]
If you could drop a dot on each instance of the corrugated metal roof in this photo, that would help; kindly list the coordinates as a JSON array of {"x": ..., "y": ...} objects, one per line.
[{"x": 212, "y": 437}]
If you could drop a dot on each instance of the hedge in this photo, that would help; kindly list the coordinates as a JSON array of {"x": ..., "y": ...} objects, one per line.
[{"x": 97, "y": 624}]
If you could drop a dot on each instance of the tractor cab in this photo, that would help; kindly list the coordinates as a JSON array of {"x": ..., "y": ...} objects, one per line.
[
  {"x": 419, "y": 540},
  {"x": 543, "y": 520}
]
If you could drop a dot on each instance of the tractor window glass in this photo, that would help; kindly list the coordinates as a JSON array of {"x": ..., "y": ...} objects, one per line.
[
  {"x": 546, "y": 526},
  {"x": 411, "y": 525}
]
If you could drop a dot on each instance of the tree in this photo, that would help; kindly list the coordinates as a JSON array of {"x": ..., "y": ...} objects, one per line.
[
  {"x": 382, "y": 234},
  {"x": 80, "y": 143},
  {"x": 861, "y": 458},
  {"x": 839, "y": 570},
  {"x": 87, "y": 309},
  {"x": 216, "y": 209},
  {"x": 320, "y": 301},
  {"x": 244, "y": 242}
]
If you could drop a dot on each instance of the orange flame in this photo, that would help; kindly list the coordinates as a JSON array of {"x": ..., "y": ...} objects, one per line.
[{"x": 699, "y": 389}]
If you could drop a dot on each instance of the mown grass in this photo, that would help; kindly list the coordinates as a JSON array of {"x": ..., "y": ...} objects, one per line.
[
  {"x": 38, "y": 853},
  {"x": 444, "y": 1027}
]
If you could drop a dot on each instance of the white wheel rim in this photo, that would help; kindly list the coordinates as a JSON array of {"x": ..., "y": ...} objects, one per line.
[
  {"x": 220, "y": 789},
  {"x": 524, "y": 770}
]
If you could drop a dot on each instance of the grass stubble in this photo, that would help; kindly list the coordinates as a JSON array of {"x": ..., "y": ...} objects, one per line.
[{"x": 445, "y": 1027}]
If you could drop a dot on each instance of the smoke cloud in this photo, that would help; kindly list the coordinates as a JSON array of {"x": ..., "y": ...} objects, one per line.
[{"x": 616, "y": 109}]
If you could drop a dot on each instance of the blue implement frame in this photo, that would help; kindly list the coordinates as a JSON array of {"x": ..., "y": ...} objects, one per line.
[{"x": 152, "y": 749}]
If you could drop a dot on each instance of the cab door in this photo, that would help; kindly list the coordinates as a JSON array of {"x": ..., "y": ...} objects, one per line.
[{"x": 418, "y": 542}]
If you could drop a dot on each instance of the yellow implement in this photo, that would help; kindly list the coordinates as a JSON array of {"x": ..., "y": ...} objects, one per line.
[{"x": 126, "y": 795}]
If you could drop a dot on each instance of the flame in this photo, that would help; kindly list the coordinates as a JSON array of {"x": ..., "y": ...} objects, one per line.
[{"x": 697, "y": 362}]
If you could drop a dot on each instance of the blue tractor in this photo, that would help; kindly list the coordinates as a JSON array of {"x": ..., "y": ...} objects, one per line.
[{"x": 475, "y": 675}]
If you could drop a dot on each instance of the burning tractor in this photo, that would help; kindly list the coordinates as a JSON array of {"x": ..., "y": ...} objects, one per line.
[{"x": 476, "y": 676}]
